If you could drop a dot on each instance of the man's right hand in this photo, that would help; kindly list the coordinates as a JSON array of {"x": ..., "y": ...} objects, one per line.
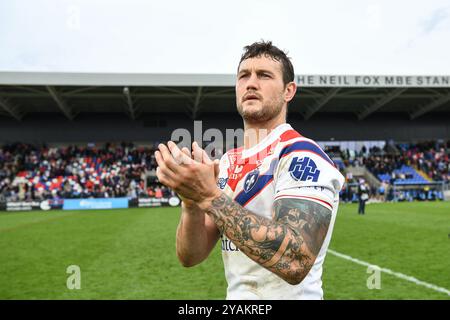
[
  {"x": 197, "y": 233},
  {"x": 199, "y": 155}
]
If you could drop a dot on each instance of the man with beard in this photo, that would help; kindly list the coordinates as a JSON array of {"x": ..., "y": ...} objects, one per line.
[{"x": 273, "y": 201}]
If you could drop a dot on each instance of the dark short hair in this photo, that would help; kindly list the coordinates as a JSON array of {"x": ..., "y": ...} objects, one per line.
[{"x": 266, "y": 48}]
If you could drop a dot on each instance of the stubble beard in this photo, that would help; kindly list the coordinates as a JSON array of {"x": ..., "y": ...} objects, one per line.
[{"x": 269, "y": 110}]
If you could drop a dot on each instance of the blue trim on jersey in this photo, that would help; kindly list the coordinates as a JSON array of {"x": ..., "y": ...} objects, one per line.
[
  {"x": 263, "y": 180},
  {"x": 243, "y": 197},
  {"x": 305, "y": 145}
]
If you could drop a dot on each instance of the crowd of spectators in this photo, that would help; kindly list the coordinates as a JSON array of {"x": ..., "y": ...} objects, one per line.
[
  {"x": 432, "y": 158},
  {"x": 385, "y": 164},
  {"x": 29, "y": 172},
  {"x": 429, "y": 157},
  {"x": 392, "y": 164}
]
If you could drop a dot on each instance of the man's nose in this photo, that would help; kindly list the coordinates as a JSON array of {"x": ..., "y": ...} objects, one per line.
[{"x": 252, "y": 83}]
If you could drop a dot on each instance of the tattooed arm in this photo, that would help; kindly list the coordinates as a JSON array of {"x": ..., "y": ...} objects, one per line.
[{"x": 287, "y": 245}]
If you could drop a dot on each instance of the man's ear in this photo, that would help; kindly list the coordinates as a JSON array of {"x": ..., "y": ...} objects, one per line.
[{"x": 289, "y": 91}]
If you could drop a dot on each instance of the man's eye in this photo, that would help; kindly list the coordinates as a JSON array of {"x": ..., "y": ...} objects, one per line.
[{"x": 265, "y": 75}]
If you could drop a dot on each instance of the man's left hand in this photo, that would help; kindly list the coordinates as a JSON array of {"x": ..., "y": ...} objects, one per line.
[{"x": 193, "y": 179}]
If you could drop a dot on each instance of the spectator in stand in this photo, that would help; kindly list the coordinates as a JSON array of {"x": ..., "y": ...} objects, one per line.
[
  {"x": 150, "y": 192},
  {"x": 158, "y": 192}
]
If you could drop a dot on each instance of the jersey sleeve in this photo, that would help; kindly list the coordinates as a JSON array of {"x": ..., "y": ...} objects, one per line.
[{"x": 306, "y": 172}]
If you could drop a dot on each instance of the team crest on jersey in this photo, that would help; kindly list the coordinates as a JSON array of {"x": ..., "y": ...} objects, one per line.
[
  {"x": 222, "y": 182},
  {"x": 250, "y": 180},
  {"x": 303, "y": 169}
]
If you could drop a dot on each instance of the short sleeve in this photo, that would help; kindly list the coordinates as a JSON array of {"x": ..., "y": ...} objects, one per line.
[{"x": 308, "y": 174}]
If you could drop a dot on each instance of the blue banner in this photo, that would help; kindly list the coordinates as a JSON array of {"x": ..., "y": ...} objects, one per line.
[{"x": 99, "y": 203}]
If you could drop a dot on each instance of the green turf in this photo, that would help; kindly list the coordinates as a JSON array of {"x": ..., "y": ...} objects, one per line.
[{"x": 130, "y": 254}]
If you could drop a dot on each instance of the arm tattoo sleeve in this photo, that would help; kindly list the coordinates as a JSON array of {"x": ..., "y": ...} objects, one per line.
[{"x": 287, "y": 245}]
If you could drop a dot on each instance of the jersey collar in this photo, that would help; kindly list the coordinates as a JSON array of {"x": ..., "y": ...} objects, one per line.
[{"x": 268, "y": 140}]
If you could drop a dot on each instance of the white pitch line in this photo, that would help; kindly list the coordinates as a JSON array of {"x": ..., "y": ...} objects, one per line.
[{"x": 388, "y": 271}]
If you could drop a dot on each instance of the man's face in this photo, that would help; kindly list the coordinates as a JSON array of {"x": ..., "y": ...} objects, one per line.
[{"x": 260, "y": 91}]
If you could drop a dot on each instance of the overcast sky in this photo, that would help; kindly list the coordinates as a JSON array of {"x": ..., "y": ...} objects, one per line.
[{"x": 405, "y": 37}]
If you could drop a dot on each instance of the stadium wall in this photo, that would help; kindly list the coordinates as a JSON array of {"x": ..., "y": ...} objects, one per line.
[{"x": 55, "y": 128}]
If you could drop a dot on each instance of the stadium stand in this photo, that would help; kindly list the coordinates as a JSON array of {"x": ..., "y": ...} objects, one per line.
[
  {"x": 28, "y": 172},
  {"x": 415, "y": 164},
  {"x": 356, "y": 116},
  {"x": 405, "y": 171}
]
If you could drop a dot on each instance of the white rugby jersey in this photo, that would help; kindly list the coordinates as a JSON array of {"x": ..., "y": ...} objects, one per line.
[{"x": 283, "y": 165}]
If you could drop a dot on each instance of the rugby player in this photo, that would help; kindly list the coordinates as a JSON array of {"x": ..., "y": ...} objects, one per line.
[{"x": 272, "y": 202}]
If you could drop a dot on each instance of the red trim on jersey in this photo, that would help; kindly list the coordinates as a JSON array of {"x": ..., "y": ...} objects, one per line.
[
  {"x": 249, "y": 163},
  {"x": 246, "y": 168},
  {"x": 236, "y": 160},
  {"x": 289, "y": 134},
  {"x": 317, "y": 199}
]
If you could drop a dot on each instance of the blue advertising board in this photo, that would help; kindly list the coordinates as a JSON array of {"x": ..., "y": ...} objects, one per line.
[{"x": 99, "y": 203}]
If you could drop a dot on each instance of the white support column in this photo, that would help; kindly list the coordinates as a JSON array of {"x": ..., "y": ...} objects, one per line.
[
  {"x": 431, "y": 106},
  {"x": 381, "y": 102},
  {"x": 327, "y": 97},
  {"x": 197, "y": 102},
  {"x": 131, "y": 109},
  {"x": 12, "y": 110},
  {"x": 62, "y": 105}
]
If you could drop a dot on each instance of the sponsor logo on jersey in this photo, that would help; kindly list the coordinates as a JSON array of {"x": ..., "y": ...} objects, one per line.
[
  {"x": 303, "y": 169},
  {"x": 222, "y": 182},
  {"x": 227, "y": 245}
]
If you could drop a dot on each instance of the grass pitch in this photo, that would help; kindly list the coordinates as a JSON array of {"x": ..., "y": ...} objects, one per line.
[{"x": 130, "y": 254}]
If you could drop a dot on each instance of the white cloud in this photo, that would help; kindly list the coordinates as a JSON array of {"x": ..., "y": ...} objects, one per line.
[
  {"x": 201, "y": 36},
  {"x": 436, "y": 18}
]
